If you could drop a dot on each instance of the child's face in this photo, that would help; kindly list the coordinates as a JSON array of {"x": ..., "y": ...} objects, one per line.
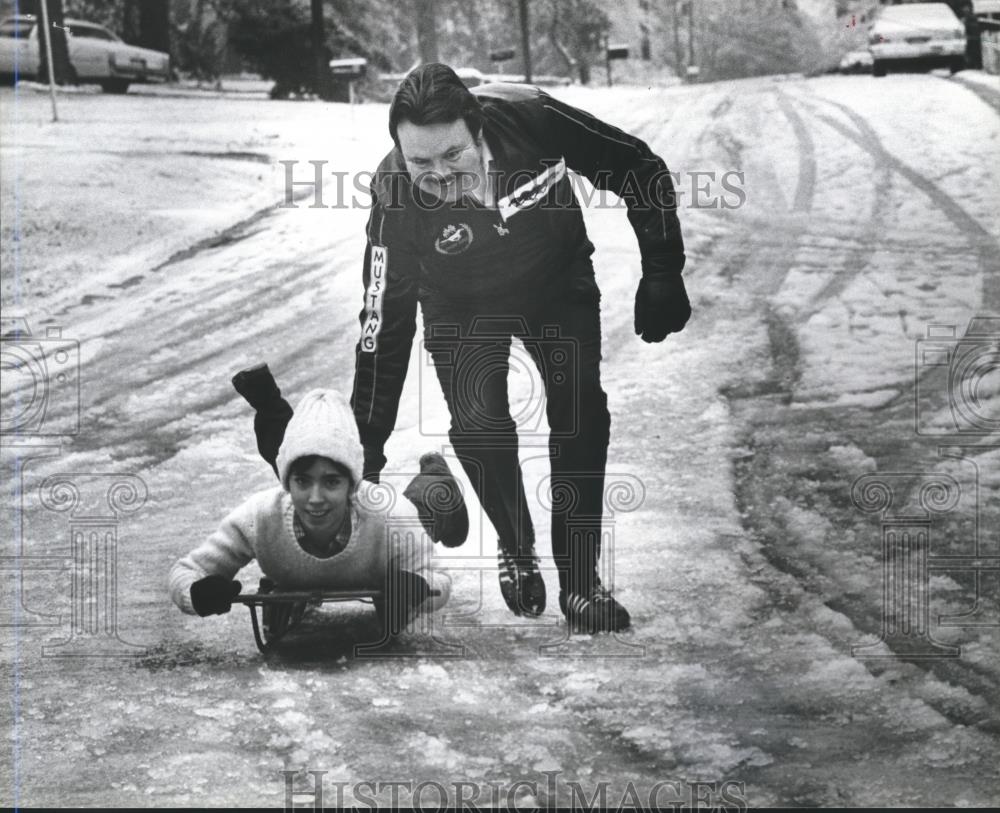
[{"x": 320, "y": 496}]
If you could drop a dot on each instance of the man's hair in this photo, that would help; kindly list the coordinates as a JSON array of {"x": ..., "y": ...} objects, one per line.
[
  {"x": 433, "y": 94},
  {"x": 302, "y": 464}
]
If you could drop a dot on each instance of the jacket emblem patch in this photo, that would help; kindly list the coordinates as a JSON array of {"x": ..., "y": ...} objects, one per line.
[
  {"x": 454, "y": 239},
  {"x": 529, "y": 193}
]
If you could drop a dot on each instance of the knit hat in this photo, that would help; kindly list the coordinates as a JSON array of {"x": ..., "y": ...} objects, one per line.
[{"x": 323, "y": 424}]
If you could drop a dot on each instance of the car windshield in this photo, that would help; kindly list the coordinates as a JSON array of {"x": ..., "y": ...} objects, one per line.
[
  {"x": 16, "y": 29},
  {"x": 91, "y": 32}
]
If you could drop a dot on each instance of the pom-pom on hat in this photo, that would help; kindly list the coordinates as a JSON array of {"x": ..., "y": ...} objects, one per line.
[{"x": 323, "y": 424}]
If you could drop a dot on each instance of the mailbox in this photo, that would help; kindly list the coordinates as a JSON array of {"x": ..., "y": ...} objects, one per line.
[
  {"x": 349, "y": 69},
  {"x": 617, "y": 52},
  {"x": 502, "y": 54}
]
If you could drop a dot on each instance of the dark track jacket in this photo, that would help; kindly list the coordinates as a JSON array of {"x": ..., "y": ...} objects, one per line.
[{"x": 532, "y": 248}]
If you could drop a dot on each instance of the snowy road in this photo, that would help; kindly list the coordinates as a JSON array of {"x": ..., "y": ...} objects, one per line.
[{"x": 746, "y": 547}]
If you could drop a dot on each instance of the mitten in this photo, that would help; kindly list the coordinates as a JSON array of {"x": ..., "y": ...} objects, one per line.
[
  {"x": 439, "y": 502},
  {"x": 213, "y": 595},
  {"x": 661, "y": 306},
  {"x": 259, "y": 388}
]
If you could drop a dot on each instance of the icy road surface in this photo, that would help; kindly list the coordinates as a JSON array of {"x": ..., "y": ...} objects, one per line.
[{"x": 762, "y": 456}]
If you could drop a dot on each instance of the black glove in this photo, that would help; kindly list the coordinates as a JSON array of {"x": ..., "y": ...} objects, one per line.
[
  {"x": 214, "y": 595},
  {"x": 258, "y": 387},
  {"x": 661, "y": 306},
  {"x": 439, "y": 502}
]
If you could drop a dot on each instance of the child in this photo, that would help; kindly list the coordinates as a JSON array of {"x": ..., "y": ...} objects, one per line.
[{"x": 323, "y": 528}]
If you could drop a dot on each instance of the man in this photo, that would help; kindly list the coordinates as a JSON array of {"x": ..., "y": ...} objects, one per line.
[{"x": 475, "y": 218}]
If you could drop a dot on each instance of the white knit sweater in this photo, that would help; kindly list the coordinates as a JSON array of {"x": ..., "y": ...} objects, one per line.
[{"x": 262, "y": 529}]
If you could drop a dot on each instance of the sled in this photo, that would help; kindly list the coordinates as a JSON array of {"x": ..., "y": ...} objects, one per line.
[{"x": 282, "y": 610}]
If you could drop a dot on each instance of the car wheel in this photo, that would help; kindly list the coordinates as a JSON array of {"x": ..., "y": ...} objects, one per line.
[
  {"x": 114, "y": 86},
  {"x": 878, "y": 68}
]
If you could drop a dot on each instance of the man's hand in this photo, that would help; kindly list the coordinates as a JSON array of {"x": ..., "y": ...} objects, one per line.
[
  {"x": 661, "y": 306},
  {"x": 214, "y": 595},
  {"x": 439, "y": 502}
]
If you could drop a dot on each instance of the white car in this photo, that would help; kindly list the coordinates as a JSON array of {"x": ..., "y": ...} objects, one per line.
[
  {"x": 97, "y": 55},
  {"x": 926, "y": 35},
  {"x": 988, "y": 11}
]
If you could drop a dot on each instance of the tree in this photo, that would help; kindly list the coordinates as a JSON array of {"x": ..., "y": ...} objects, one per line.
[
  {"x": 277, "y": 38},
  {"x": 426, "y": 17},
  {"x": 577, "y": 29},
  {"x": 738, "y": 38},
  {"x": 522, "y": 14},
  {"x": 103, "y": 12},
  {"x": 321, "y": 55},
  {"x": 147, "y": 23},
  {"x": 61, "y": 67}
]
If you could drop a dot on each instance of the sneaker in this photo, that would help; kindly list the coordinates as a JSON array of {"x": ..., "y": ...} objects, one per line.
[
  {"x": 521, "y": 584},
  {"x": 596, "y": 612}
]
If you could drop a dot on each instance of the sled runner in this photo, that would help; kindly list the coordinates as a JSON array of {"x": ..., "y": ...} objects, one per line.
[{"x": 281, "y": 611}]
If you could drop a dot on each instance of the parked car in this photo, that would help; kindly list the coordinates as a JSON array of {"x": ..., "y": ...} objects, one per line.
[
  {"x": 856, "y": 62},
  {"x": 924, "y": 35},
  {"x": 988, "y": 12},
  {"x": 96, "y": 55}
]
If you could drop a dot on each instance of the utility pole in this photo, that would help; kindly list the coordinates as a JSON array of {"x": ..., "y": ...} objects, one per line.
[
  {"x": 48, "y": 58},
  {"x": 525, "y": 39}
]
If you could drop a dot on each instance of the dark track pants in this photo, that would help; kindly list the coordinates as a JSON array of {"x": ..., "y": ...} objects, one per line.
[{"x": 471, "y": 357}]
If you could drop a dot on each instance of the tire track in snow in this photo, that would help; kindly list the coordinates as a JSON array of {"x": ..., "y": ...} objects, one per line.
[
  {"x": 984, "y": 244},
  {"x": 785, "y": 362},
  {"x": 979, "y": 681},
  {"x": 805, "y": 188},
  {"x": 989, "y": 96},
  {"x": 216, "y": 339},
  {"x": 768, "y": 459},
  {"x": 859, "y": 256}
]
